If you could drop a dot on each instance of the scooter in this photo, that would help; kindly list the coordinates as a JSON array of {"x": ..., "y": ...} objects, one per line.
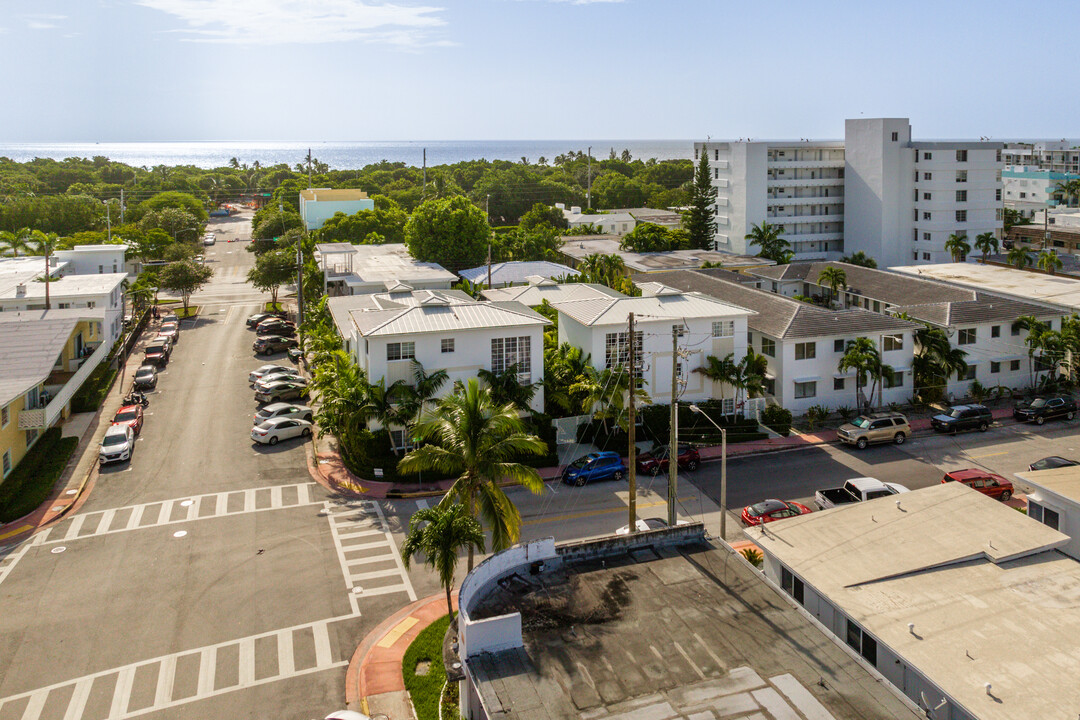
[{"x": 136, "y": 398}]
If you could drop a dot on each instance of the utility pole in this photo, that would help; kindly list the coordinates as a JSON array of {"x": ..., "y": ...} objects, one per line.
[
  {"x": 309, "y": 168},
  {"x": 487, "y": 211},
  {"x": 48, "y": 248},
  {"x": 673, "y": 441},
  {"x": 121, "y": 206},
  {"x": 423, "y": 194},
  {"x": 588, "y": 190},
  {"x": 632, "y": 433}
]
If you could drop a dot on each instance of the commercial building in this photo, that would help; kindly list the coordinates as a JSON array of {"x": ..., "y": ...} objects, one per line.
[
  {"x": 965, "y": 605},
  {"x": 504, "y": 274},
  {"x": 877, "y": 191},
  {"x": 803, "y": 343},
  {"x": 656, "y": 625},
  {"x": 359, "y": 269},
  {"x": 317, "y": 205},
  {"x": 705, "y": 326},
  {"x": 45, "y": 356}
]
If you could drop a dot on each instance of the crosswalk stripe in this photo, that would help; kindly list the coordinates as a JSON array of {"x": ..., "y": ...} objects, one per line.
[
  {"x": 249, "y": 501},
  {"x": 75, "y": 527},
  {"x": 222, "y": 504},
  {"x": 246, "y": 674},
  {"x": 106, "y": 521},
  {"x": 322, "y": 644},
  {"x": 375, "y": 574},
  {"x": 285, "y": 662},
  {"x": 122, "y": 691},
  {"x": 165, "y": 512},
  {"x": 207, "y": 670},
  {"x": 136, "y": 516},
  {"x": 368, "y": 592},
  {"x": 303, "y": 495},
  {"x": 165, "y": 680},
  {"x": 362, "y": 533},
  {"x": 78, "y": 699},
  {"x": 35, "y": 706},
  {"x": 275, "y": 497}
]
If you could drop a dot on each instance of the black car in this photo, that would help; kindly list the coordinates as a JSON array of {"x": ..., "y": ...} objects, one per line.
[
  {"x": 280, "y": 330},
  {"x": 254, "y": 320},
  {"x": 146, "y": 378},
  {"x": 272, "y": 344},
  {"x": 1054, "y": 461},
  {"x": 963, "y": 417},
  {"x": 1040, "y": 410}
]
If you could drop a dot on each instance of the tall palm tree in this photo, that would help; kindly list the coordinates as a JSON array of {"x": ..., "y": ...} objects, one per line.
[
  {"x": 1068, "y": 189},
  {"x": 343, "y": 403},
  {"x": 833, "y": 278},
  {"x": 986, "y": 243},
  {"x": 506, "y": 387},
  {"x": 1019, "y": 257},
  {"x": 859, "y": 258},
  {"x": 563, "y": 367},
  {"x": 478, "y": 441},
  {"x": 1037, "y": 331},
  {"x": 957, "y": 246},
  {"x": 772, "y": 246},
  {"x": 424, "y": 387},
  {"x": 388, "y": 405},
  {"x": 606, "y": 392},
  {"x": 861, "y": 356},
  {"x": 1049, "y": 261},
  {"x": 723, "y": 371},
  {"x": 439, "y": 534}
]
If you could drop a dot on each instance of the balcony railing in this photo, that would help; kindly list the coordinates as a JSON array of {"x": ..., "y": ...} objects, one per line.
[{"x": 45, "y": 417}]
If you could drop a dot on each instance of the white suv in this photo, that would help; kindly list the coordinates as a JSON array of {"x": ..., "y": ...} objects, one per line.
[{"x": 117, "y": 444}]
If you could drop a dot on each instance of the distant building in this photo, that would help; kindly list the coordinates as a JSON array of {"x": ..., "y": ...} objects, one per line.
[
  {"x": 96, "y": 260},
  {"x": 317, "y": 205},
  {"x": 359, "y": 269},
  {"x": 1029, "y": 189},
  {"x": 503, "y": 274},
  {"x": 577, "y": 248},
  {"x": 613, "y": 223},
  {"x": 1054, "y": 155}
]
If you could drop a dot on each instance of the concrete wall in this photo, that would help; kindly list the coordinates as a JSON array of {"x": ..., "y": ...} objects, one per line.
[
  {"x": 93, "y": 261},
  {"x": 873, "y": 189}
]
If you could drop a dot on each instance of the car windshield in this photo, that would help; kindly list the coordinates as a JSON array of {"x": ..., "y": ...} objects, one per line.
[
  {"x": 117, "y": 439},
  {"x": 144, "y": 373},
  {"x": 126, "y": 416},
  {"x": 956, "y": 413},
  {"x": 582, "y": 461},
  {"x": 763, "y": 507},
  {"x": 1038, "y": 403},
  {"x": 861, "y": 422}
]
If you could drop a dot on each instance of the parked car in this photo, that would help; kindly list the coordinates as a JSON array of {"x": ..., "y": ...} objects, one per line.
[
  {"x": 146, "y": 378},
  {"x": 117, "y": 444},
  {"x": 279, "y": 330},
  {"x": 877, "y": 428},
  {"x": 771, "y": 510},
  {"x": 271, "y": 431},
  {"x": 271, "y": 324},
  {"x": 170, "y": 317},
  {"x": 987, "y": 483},
  {"x": 281, "y": 390},
  {"x": 1040, "y": 409},
  {"x": 268, "y": 380},
  {"x": 963, "y": 417},
  {"x": 130, "y": 415},
  {"x": 295, "y": 354},
  {"x": 260, "y": 372},
  {"x": 285, "y": 410},
  {"x": 593, "y": 467},
  {"x": 209, "y": 239},
  {"x": 656, "y": 461},
  {"x": 170, "y": 331},
  {"x": 254, "y": 320},
  {"x": 856, "y": 490},
  {"x": 272, "y": 344},
  {"x": 1054, "y": 461},
  {"x": 157, "y": 353}
]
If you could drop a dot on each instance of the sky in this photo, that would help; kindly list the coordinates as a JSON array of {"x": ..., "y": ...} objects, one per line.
[{"x": 358, "y": 70}]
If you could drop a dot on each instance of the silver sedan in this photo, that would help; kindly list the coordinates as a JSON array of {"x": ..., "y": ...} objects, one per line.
[
  {"x": 275, "y": 429},
  {"x": 255, "y": 375},
  {"x": 283, "y": 410}
]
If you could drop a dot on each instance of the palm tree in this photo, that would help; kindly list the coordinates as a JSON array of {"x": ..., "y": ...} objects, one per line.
[
  {"x": 605, "y": 393},
  {"x": 1068, "y": 189},
  {"x": 986, "y": 243},
  {"x": 16, "y": 241},
  {"x": 439, "y": 534},
  {"x": 861, "y": 356},
  {"x": 1037, "y": 331},
  {"x": 424, "y": 387},
  {"x": 506, "y": 387},
  {"x": 721, "y": 371},
  {"x": 1049, "y": 261},
  {"x": 471, "y": 437},
  {"x": 833, "y": 278},
  {"x": 859, "y": 258},
  {"x": 772, "y": 246},
  {"x": 563, "y": 367},
  {"x": 1019, "y": 257},
  {"x": 937, "y": 360},
  {"x": 957, "y": 246},
  {"x": 343, "y": 404},
  {"x": 388, "y": 405}
]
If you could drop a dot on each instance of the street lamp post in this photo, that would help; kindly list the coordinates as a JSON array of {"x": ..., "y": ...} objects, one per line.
[{"x": 723, "y": 471}]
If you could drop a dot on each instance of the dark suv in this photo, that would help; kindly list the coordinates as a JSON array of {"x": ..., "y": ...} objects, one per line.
[
  {"x": 963, "y": 417},
  {"x": 157, "y": 353},
  {"x": 1040, "y": 410},
  {"x": 656, "y": 460},
  {"x": 272, "y": 344}
]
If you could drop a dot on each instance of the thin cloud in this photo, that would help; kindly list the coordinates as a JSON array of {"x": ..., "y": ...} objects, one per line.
[
  {"x": 43, "y": 22},
  {"x": 277, "y": 22}
]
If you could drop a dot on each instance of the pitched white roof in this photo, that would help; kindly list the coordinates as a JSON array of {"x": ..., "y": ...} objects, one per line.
[
  {"x": 30, "y": 343},
  {"x": 614, "y": 311},
  {"x": 534, "y": 294},
  {"x": 504, "y": 273}
]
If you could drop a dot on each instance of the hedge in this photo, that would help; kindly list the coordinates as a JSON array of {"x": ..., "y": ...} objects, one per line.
[
  {"x": 89, "y": 397},
  {"x": 777, "y": 419},
  {"x": 32, "y": 481}
]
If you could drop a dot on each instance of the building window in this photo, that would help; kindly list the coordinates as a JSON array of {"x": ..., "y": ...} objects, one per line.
[
  {"x": 805, "y": 351},
  {"x": 926, "y": 216},
  {"x": 927, "y": 176},
  {"x": 805, "y": 389},
  {"x": 961, "y": 156},
  {"x": 5, "y": 416},
  {"x": 966, "y": 336},
  {"x": 961, "y": 176},
  {"x": 507, "y": 352},
  {"x": 895, "y": 380},
  {"x": 838, "y": 384},
  {"x": 893, "y": 342},
  {"x": 792, "y": 585},
  {"x": 995, "y": 331},
  {"x": 1014, "y": 365},
  {"x": 862, "y": 643},
  {"x": 926, "y": 236},
  {"x": 716, "y": 173},
  {"x": 723, "y": 328},
  {"x": 768, "y": 347},
  {"x": 895, "y": 136},
  {"x": 997, "y": 195},
  {"x": 447, "y": 345},
  {"x": 31, "y": 436},
  {"x": 617, "y": 353},
  {"x": 401, "y": 351},
  {"x": 998, "y": 156},
  {"x": 961, "y": 196},
  {"x": 7, "y": 462},
  {"x": 1015, "y": 330},
  {"x": 926, "y": 196},
  {"x": 91, "y": 304},
  {"x": 999, "y": 214},
  {"x": 995, "y": 367},
  {"x": 969, "y": 375},
  {"x": 402, "y": 440},
  {"x": 961, "y": 216},
  {"x": 1050, "y": 518},
  {"x": 926, "y": 256},
  {"x": 838, "y": 345}
]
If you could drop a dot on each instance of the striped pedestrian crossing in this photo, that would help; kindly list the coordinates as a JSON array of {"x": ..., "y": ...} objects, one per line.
[
  {"x": 10, "y": 556},
  {"x": 369, "y": 557}
]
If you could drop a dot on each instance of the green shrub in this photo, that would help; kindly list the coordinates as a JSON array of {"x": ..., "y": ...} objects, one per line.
[
  {"x": 815, "y": 415},
  {"x": 777, "y": 419},
  {"x": 845, "y": 413},
  {"x": 89, "y": 397},
  {"x": 32, "y": 481},
  {"x": 424, "y": 690}
]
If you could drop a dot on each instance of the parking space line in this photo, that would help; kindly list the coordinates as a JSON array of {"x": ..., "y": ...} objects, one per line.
[
  {"x": 222, "y": 504},
  {"x": 275, "y": 497},
  {"x": 303, "y": 497}
]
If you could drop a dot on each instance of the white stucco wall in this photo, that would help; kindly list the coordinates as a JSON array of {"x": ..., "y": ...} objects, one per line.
[{"x": 93, "y": 261}]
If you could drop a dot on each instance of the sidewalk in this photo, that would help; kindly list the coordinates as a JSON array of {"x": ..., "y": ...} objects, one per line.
[
  {"x": 373, "y": 682},
  {"x": 81, "y": 472}
]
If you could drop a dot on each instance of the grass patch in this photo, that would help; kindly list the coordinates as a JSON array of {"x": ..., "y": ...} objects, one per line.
[
  {"x": 191, "y": 312},
  {"x": 170, "y": 301},
  {"x": 426, "y": 689},
  {"x": 273, "y": 307},
  {"x": 32, "y": 481}
]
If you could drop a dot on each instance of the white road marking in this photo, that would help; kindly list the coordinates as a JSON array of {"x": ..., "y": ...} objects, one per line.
[
  {"x": 10, "y": 556},
  {"x": 422, "y": 504},
  {"x": 78, "y": 699},
  {"x": 219, "y": 502},
  {"x": 362, "y": 528}
]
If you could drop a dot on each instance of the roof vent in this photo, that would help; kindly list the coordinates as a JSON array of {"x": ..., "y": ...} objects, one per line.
[{"x": 20, "y": 290}]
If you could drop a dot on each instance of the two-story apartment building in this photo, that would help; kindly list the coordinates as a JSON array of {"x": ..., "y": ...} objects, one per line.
[
  {"x": 447, "y": 330},
  {"x": 359, "y": 269},
  {"x": 803, "y": 343},
  {"x": 979, "y": 323},
  {"x": 101, "y": 292},
  {"x": 705, "y": 326},
  {"x": 44, "y": 358}
]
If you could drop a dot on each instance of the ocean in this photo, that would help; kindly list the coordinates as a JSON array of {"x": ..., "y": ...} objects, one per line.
[{"x": 343, "y": 155}]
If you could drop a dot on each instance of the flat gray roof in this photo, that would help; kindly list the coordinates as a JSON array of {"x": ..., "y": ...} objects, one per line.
[
  {"x": 1062, "y": 481},
  {"x": 581, "y": 246},
  {"x": 1022, "y": 284},
  {"x": 664, "y": 632},
  {"x": 990, "y": 597}
]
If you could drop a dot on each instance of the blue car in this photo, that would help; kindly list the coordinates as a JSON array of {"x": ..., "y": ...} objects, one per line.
[{"x": 594, "y": 466}]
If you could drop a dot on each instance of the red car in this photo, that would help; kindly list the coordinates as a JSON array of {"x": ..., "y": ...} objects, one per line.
[
  {"x": 655, "y": 461},
  {"x": 130, "y": 415},
  {"x": 987, "y": 483},
  {"x": 771, "y": 510}
]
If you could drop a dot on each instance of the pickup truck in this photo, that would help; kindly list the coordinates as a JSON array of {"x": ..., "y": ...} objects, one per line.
[{"x": 855, "y": 490}]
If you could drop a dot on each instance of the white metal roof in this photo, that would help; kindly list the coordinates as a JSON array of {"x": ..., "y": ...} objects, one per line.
[
  {"x": 504, "y": 273},
  {"x": 30, "y": 343},
  {"x": 67, "y": 286},
  {"x": 534, "y": 294},
  {"x": 425, "y": 311},
  {"x": 614, "y": 311}
]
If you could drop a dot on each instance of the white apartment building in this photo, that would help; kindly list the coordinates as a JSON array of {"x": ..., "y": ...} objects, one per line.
[
  {"x": 104, "y": 293},
  {"x": 1056, "y": 155},
  {"x": 95, "y": 260},
  {"x": 876, "y": 191},
  {"x": 1031, "y": 190},
  {"x": 359, "y": 269}
]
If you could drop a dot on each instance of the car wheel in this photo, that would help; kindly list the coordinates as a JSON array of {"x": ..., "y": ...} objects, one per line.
[
  {"x": 1005, "y": 496},
  {"x": 273, "y": 440},
  {"x": 580, "y": 481},
  {"x": 899, "y": 438},
  {"x": 692, "y": 465},
  {"x": 1070, "y": 415},
  {"x": 306, "y": 432},
  {"x": 618, "y": 475},
  {"x": 983, "y": 426},
  {"x": 1040, "y": 420},
  {"x": 861, "y": 443}
]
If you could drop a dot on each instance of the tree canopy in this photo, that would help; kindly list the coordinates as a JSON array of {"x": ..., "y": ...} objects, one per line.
[
  {"x": 451, "y": 232},
  {"x": 184, "y": 278},
  {"x": 272, "y": 270},
  {"x": 384, "y": 224},
  {"x": 650, "y": 237}
]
